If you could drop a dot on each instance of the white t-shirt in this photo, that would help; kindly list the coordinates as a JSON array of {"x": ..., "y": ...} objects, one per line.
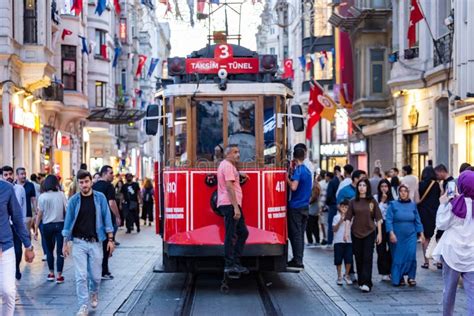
[
  {"x": 20, "y": 194},
  {"x": 53, "y": 206},
  {"x": 339, "y": 234}
]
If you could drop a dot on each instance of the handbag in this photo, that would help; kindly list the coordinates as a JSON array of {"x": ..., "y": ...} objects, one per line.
[
  {"x": 432, "y": 245},
  {"x": 427, "y": 191}
]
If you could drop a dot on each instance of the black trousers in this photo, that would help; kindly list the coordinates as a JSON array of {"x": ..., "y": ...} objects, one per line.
[
  {"x": 132, "y": 218},
  {"x": 18, "y": 250},
  {"x": 105, "y": 259},
  {"x": 363, "y": 249},
  {"x": 147, "y": 211},
  {"x": 236, "y": 233},
  {"x": 297, "y": 221},
  {"x": 312, "y": 229},
  {"x": 384, "y": 257}
]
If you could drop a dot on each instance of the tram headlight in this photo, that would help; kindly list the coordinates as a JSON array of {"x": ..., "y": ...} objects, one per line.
[
  {"x": 222, "y": 74},
  {"x": 176, "y": 66},
  {"x": 268, "y": 63}
]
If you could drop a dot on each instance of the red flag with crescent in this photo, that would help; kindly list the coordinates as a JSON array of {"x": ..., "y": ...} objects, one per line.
[
  {"x": 315, "y": 107},
  {"x": 288, "y": 67},
  {"x": 141, "y": 63}
]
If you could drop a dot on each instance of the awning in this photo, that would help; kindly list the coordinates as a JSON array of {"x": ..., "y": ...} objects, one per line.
[{"x": 116, "y": 116}]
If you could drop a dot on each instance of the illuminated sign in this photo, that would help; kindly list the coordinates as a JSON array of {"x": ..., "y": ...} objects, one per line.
[
  {"x": 123, "y": 30},
  {"x": 359, "y": 147},
  {"x": 333, "y": 150},
  {"x": 25, "y": 119}
]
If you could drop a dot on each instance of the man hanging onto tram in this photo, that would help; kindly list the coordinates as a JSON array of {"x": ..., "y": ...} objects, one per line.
[{"x": 229, "y": 202}]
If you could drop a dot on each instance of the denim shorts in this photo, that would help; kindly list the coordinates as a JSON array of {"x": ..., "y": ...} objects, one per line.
[{"x": 343, "y": 251}]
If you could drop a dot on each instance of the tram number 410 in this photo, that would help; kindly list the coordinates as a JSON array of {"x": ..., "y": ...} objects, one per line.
[
  {"x": 171, "y": 187},
  {"x": 280, "y": 186}
]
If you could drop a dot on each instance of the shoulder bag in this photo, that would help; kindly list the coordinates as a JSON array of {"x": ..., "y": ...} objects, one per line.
[
  {"x": 432, "y": 245},
  {"x": 427, "y": 192}
]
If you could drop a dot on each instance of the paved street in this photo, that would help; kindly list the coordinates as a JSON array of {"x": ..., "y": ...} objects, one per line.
[{"x": 131, "y": 262}]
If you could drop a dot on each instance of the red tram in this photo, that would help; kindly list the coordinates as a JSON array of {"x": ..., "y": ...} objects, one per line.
[{"x": 222, "y": 94}]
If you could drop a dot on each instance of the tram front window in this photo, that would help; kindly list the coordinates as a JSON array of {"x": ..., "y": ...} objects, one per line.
[
  {"x": 181, "y": 155},
  {"x": 241, "y": 129},
  {"x": 209, "y": 131},
  {"x": 269, "y": 125}
]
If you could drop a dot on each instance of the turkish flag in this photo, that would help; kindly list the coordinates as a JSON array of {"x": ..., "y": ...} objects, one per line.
[
  {"x": 315, "y": 107},
  {"x": 415, "y": 16},
  {"x": 65, "y": 33},
  {"x": 77, "y": 6},
  {"x": 141, "y": 63},
  {"x": 117, "y": 6},
  {"x": 288, "y": 66},
  {"x": 103, "y": 51}
]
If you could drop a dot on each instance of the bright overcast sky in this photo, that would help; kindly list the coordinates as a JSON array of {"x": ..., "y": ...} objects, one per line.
[{"x": 186, "y": 39}]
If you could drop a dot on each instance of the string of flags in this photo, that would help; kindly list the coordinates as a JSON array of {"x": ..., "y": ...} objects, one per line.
[{"x": 322, "y": 57}]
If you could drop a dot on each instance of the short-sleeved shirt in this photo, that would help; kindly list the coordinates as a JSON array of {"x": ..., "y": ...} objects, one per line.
[
  {"x": 108, "y": 190},
  {"x": 339, "y": 234},
  {"x": 30, "y": 192},
  {"x": 130, "y": 192},
  {"x": 21, "y": 197},
  {"x": 300, "y": 198},
  {"x": 227, "y": 172},
  {"x": 364, "y": 212},
  {"x": 53, "y": 206}
]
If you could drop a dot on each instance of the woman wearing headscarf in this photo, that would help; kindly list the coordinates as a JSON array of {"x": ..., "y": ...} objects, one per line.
[
  {"x": 456, "y": 246},
  {"x": 403, "y": 225},
  {"x": 384, "y": 258},
  {"x": 430, "y": 191}
]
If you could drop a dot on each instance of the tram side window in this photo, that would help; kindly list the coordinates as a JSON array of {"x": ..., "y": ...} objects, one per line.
[
  {"x": 209, "y": 132},
  {"x": 269, "y": 125},
  {"x": 180, "y": 124},
  {"x": 241, "y": 129}
]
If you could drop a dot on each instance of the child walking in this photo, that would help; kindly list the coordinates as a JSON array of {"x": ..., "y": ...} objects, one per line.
[{"x": 342, "y": 248}]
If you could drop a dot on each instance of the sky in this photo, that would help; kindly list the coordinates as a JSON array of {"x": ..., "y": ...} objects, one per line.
[{"x": 186, "y": 39}]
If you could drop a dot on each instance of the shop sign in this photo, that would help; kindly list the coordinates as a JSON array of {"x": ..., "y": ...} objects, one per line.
[
  {"x": 333, "y": 150},
  {"x": 25, "y": 119},
  {"x": 359, "y": 147}
]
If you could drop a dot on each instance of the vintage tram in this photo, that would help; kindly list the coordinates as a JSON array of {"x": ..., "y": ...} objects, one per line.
[{"x": 222, "y": 94}]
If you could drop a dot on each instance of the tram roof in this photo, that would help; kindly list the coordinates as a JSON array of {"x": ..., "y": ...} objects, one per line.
[{"x": 233, "y": 89}]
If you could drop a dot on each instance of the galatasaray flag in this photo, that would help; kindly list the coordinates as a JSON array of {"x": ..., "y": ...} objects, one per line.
[
  {"x": 315, "y": 108},
  {"x": 141, "y": 63},
  {"x": 415, "y": 16}
]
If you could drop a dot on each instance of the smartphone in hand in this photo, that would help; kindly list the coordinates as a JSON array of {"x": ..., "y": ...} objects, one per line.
[{"x": 451, "y": 189}]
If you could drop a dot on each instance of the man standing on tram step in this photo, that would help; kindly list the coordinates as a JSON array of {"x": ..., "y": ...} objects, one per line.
[
  {"x": 300, "y": 183},
  {"x": 10, "y": 210},
  {"x": 104, "y": 185},
  {"x": 131, "y": 198},
  {"x": 87, "y": 224},
  {"x": 229, "y": 203}
]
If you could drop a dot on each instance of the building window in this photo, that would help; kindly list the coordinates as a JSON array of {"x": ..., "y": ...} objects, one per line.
[
  {"x": 377, "y": 60},
  {"x": 285, "y": 51},
  {"x": 68, "y": 67},
  {"x": 323, "y": 65},
  {"x": 417, "y": 151},
  {"x": 272, "y": 31},
  {"x": 100, "y": 93},
  {"x": 124, "y": 80},
  {"x": 99, "y": 41},
  {"x": 322, "y": 12},
  {"x": 30, "y": 31},
  {"x": 272, "y": 50},
  {"x": 66, "y": 8}
]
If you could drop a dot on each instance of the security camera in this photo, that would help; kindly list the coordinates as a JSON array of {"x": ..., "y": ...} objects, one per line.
[{"x": 222, "y": 74}]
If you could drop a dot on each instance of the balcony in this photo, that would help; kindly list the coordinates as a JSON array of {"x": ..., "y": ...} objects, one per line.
[
  {"x": 443, "y": 50},
  {"x": 411, "y": 53},
  {"x": 306, "y": 86},
  {"x": 55, "y": 92},
  {"x": 366, "y": 14},
  {"x": 317, "y": 44}
]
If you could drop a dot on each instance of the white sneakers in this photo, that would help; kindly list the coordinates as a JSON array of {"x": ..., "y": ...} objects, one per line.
[
  {"x": 339, "y": 281},
  {"x": 94, "y": 300},
  {"x": 386, "y": 278},
  {"x": 364, "y": 288},
  {"x": 83, "y": 311},
  {"x": 348, "y": 280}
]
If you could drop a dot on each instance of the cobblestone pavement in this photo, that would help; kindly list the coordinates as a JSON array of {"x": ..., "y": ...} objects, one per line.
[
  {"x": 131, "y": 262},
  {"x": 424, "y": 299}
]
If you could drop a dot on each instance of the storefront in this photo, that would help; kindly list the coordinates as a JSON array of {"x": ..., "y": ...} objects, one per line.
[
  {"x": 358, "y": 154},
  {"x": 333, "y": 155},
  {"x": 463, "y": 137},
  {"x": 334, "y": 148}
]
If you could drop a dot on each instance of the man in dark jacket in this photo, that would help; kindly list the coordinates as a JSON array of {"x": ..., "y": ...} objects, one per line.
[{"x": 331, "y": 202}]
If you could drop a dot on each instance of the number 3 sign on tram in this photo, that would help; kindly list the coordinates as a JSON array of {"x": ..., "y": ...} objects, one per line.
[{"x": 223, "y": 59}]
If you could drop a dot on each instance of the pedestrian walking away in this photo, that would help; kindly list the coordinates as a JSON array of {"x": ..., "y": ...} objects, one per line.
[
  {"x": 456, "y": 246},
  {"x": 375, "y": 179},
  {"x": 20, "y": 194},
  {"x": 300, "y": 184},
  {"x": 30, "y": 194},
  {"x": 384, "y": 258},
  {"x": 10, "y": 211},
  {"x": 147, "y": 209},
  {"x": 366, "y": 228},
  {"x": 104, "y": 185},
  {"x": 229, "y": 203},
  {"x": 326, "y": 177},
  {"x": 411, "y": 181},
  {"x": 430, "y": 191},
  {"x": 87, "y": 224},
  {"x": 312, "y": 229},
  {"x": 132, "y": 199},
  {"x": 51, "y": 209},
  {"x": 342, "y": 247},
  {"x": 403, "y": 226},
  {"x": 331, "y": 203}
]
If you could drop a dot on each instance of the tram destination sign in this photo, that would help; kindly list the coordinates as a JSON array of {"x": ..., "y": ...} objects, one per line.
[{"x": 223, "y": 59}]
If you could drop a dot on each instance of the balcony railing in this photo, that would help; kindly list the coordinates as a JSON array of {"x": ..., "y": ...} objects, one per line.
[
  {"x": 373, "y": 4},
  {"x": 55, "y": 92},
  {"x": 442, "y": 50}
]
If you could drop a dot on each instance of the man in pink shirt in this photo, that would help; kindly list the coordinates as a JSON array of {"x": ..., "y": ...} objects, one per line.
[{"x": 229, "y": 202}]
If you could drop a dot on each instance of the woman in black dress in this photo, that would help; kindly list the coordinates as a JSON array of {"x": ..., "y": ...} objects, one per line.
[
  {"x": 429, "y": 193},
  {"x": 147, "y": 210}
]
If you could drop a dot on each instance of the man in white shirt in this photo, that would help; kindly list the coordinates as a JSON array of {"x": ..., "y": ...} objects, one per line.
[
  {"x": 411, "y": 182},
  {"x": 7, "y": 174},
  {"x": 347, "y": 178}
]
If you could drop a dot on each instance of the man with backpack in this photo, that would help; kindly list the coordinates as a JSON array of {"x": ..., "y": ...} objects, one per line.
[{"x": 132, "y": 198}]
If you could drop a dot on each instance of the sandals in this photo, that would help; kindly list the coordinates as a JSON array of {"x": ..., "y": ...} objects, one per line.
[
  {"x": 439, "y": 265},
  {"x": 425, "y": 265},
  {"x": 402, "y": 282},
  {"x": 411, "y": 282}
]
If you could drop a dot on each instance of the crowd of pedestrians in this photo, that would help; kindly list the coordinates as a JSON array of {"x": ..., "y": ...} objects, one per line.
[
  {"x": 81, "y": 223},
  {"x": 353, "y": 214}
]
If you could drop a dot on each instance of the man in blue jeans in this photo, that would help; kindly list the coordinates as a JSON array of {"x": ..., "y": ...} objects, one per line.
[
  {"x": 88, "y": 223},
  {"x": 300, "y": 184}
]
